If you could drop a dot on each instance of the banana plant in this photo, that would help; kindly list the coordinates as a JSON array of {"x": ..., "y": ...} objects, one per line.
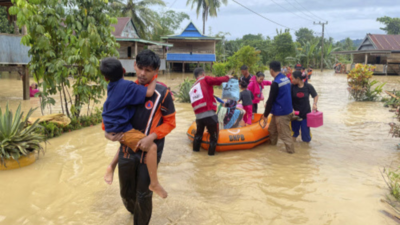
[{"x": 17, "y": 137}]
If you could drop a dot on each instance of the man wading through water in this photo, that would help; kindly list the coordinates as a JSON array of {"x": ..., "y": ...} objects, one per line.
[
  {"x": 279, "y": 104},
  {"x": 156, "y": 119}
]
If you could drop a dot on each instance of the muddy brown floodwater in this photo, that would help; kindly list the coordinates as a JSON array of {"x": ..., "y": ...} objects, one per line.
[{"x": 333, "y": 180}]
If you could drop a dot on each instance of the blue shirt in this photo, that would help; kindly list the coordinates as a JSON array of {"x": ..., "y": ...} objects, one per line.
[{"x": 122, "y": 96}]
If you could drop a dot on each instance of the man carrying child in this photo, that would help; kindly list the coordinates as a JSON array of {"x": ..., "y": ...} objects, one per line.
[{"x": 155, "y": 119}]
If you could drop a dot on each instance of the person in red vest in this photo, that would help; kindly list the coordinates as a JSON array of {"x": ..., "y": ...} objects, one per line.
[{"x": 205, "y": 107}]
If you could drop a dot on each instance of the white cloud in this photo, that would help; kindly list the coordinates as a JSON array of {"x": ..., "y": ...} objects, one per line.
[{"x": 347, "y": 18}]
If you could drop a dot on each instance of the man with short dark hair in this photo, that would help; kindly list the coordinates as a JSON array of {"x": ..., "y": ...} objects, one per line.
[
  {"x": 205, "y": 107},
  {"x": 279, "y": 104},
  {"x": 156, "y": 119},
  {"x": 246, "y": 76}
]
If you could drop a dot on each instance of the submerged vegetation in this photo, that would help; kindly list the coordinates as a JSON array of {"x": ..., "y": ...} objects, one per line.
[
  {"x": 184, "y": 88},
  {"x": 360, "y": 85},
  {"x": 17, "y": 137}
]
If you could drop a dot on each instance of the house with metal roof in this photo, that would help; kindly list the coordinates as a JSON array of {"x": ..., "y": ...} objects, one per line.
[
  {"x": 131, "y": 44},
  {"x": 190, "y": 47},
  {"x": 381, "y": 50}
]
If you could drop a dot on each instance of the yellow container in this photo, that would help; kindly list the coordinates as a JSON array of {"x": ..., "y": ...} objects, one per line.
[{"x": 23, "y": 161}]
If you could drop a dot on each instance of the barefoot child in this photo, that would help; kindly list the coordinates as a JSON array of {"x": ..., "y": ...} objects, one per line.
[
  {"x": 122, "y": 96},
  {"x": 246, "y": 97}
]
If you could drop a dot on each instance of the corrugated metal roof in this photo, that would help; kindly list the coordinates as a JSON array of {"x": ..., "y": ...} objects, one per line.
[
  {"x": 190, "y": 32},
  {"x": 385, "y": 41},
  {"x": 12, "y": 51},
  {"x": 191, "y": 58}
]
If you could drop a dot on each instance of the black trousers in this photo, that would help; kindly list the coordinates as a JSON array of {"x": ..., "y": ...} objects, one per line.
[
  {"x": 134, "y": 181},
  {"x": 255, "y": 108},
  {"x": 212, "y": 126}
]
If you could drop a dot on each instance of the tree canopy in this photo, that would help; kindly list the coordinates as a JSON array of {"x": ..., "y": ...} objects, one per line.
[
  {"x": 392, "y": 25},
  {"x": 303, "y": 35},
  {"x": 67, "y": 44},
  {"x": 5, "y": 26},
  {"x": 170, "y": 22}
]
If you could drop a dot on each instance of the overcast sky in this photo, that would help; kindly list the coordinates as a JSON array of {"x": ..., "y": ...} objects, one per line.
[{"x": 347, "y": 18}]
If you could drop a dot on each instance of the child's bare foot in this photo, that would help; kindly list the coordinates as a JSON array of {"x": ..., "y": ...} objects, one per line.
[
  {"x": 108, "y": 178},
  {"x": 158, "y": 189}
]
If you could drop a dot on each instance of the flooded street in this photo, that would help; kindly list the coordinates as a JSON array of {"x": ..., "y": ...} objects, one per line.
[{"x": 333, "y": 180}]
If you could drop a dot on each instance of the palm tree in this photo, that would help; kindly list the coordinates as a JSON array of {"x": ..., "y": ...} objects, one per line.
[
  {"x": 209, "y": 7},
  {"x": 143, "y": 17}
]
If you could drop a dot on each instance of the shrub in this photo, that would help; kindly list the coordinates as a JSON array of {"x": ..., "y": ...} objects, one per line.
[
  {"x": 372, "y": 94},
  {"x": 219, "y": 69},
  {"x": 17, "y": 138},
  {"x": 360, "y": 86},
  {"x": 184, "y": 89},
  {"x": 392, "y": 180}
]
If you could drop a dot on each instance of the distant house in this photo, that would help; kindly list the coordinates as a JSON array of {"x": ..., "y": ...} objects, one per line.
[
  {"x": 131, "y": 44},
  {"x": 190, "y": 47},
  {"x": 380, "y": 50}
]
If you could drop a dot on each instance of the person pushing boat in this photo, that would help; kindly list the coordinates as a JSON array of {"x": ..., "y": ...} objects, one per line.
[{"x": 205, "y": 107}]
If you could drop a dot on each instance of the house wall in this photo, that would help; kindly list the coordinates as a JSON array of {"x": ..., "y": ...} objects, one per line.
[
  {"x": 123, "y": 50},
  {"x": 372, "y": 59},
  {"x": 196, "y": 47},
  {"x": 158, "y": 50},
  {"x": 392, "y": 61}
]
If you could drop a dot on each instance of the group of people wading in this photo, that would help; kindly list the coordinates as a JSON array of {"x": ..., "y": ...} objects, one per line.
[{"x": 140, "y": 114}]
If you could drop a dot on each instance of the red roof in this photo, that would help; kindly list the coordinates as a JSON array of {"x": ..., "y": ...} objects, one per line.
[
  {"x": 386, "y": 41},
  {"x": 119, "y": 27}
]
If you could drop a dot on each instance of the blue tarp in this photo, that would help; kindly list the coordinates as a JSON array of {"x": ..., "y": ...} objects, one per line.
[{"x": 191, "y": 58}]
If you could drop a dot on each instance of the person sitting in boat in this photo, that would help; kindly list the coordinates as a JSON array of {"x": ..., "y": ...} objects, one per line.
[
  {"x": 301, "y": 92},
  {"x": 33, "y": 89},
  {"x": 256, "y": 86},
  {"x": 233, "y": 117},
  {"x": 205, "y": 107}
]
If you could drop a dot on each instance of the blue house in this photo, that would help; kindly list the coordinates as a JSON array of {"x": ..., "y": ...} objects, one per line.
[{"x": 190, "y": 47}]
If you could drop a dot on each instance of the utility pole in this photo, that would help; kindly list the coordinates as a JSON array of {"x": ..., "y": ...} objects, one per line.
[{"x": 322, "y": 51}]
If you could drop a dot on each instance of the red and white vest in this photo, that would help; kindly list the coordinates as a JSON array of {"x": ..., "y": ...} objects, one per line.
[{"x": 202, "y": 97}]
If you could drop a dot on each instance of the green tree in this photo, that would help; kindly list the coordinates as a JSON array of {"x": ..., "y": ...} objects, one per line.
[
  {"x": 303, "y": 35},
  {"x": 144, "y": 18},
  {"x": 392, "y": 25},
  {"x": 5, "y": 26},
  {"x": 348, "y": 44},
  {"x": 169, "y": 22},
  {"x": 209, "y": 7},
  {"x": 247, "y": 55},
  {"x": 220, "y": 47},
  {"x": 63, "y": 45},
  {"x": 251, "y": 37},
  {"x": 283, "y": 47}
]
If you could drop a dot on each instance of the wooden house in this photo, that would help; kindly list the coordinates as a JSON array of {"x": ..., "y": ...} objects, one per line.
[
  {"x": 190, "y": 47},
  {"x": 380, "y": 50},
  {"x": 131, "y": 44}
]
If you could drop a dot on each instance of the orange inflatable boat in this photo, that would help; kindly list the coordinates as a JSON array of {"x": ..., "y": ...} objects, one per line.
[{"x": 236, "y": 138}]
